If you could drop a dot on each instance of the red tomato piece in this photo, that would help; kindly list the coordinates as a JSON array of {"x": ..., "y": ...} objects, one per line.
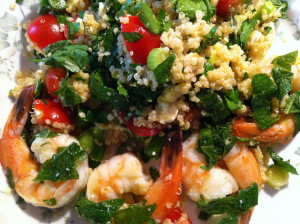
[
  {"x": 44, "y": 30},
  {"x": 140, "y": 49},
  {"x": 175, "y": 215},
  {"x": 223, "y": 6},
  {"x": 49, "y": 111},
  {"x": 52, "y": 79},
  {"x": 140, "y": 131}
]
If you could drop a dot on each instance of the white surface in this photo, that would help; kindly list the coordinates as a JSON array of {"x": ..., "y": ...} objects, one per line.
[{"x": 274, "y": 207}]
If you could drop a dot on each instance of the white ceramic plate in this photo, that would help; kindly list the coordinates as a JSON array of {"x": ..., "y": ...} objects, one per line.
[{"x": 274, "y": 207}]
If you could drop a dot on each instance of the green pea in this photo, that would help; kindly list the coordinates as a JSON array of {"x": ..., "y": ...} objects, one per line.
[{"x": 277, "y": 176}]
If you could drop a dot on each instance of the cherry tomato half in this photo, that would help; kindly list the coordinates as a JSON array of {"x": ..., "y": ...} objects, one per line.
[
  {"x": 223, "y": 6},
  {"x": 175, "y": 215},
  {"x": 44, "y": 30},
  {"x": 141, "y": 131},
  {"x": 52, "y": 79},
  {"x": 139, "y": 50},
  {"x": 49, "y": 111}
]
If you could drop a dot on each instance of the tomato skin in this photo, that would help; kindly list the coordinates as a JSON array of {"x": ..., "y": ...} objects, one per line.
[
  {"x": 45, "y": 30},
  {"x": 223, "y": 7},
  {"x": 50, "y": 110},
  {"x": 143, "y": 46},
  {"x": 140, "y": 131},
  {"x": 52, "y": 79}
]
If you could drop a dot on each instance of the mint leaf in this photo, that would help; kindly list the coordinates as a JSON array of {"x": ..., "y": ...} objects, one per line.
[
  {"x": 132, "y": 37},
  {"x": 50, "y": 202},
  {"x": 73, "y": 28},
  {"x": 106, "y": 94},
  {"x": 67, "y": 95},
  {"x": 135, "y": 214},
  {"x": 283, "y": 80},
  {"x": 210, "y": 39},
  {"x": 293, "y": 104},
  {"x": 162, "y": 71},
  {"x": 280, "y": 162},
  {"x": 264, "y": 89},
  {"x": 96, "y": 213},
  {"x": 161, "y": 15},
  {"x": 232, "y": 205},
  {"x": 229, "y": 220},
  {"x": 286, "y": 61},
  {"x": 154, "y": 148},
  {"x": 232, "y": 99},
  {"x": 62, "y": 166},
  {"x": 245, "y": 31},
  {"x": 148, "y": 19}
]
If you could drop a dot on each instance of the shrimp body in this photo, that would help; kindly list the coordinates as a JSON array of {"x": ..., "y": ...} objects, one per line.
[
  {"x": 212, "y": 184},
  {"x": 281, "y": 132},
  {"x": 119, "y": 175},
  {"x": 166, "y": 190},
  {"x": 243, "y": 165},
  {"x": 16, "y": 157}
]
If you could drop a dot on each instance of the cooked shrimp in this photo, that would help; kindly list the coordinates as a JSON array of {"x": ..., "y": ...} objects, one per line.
[
  {"x": 243, "y": 165},
  {"x": 212, "y": 184},
  {"x": 16, "y": 156},
  {"x": 166, "y": 190},
  {"x": 281, "y": 132},
  {"x": 119, "y": 175}
]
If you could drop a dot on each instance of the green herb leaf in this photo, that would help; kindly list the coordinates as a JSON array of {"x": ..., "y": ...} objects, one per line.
[
  {"x": 267, "y": 30},
  {"x": 293, "y": 104},
  {"x": 213, "y": 104},
  {"x": 62, "y": 166},
  {"x": 92, "y": 116},
  {"x": 62, "y": 18},
  {"x": 38, "y": 89},
  {"x": 10, "y": 178},
  {"x": 189, "y": 8},
  {"x": 44, "y": 134},
  {"x": 67, "y": 95},
  {"x": 232, "y": 99},
  {"x": 81, "y": 14},
  {"x": 162, "y": 71},
  {"x": 106, "y": 94},
  {"x": 98, "y": 213},
  {"x": 148, "y": 19},
  {"x": 286, "y": 61},
  {"x": 50, "y": 202},
  {"x": 232, "y": 205},
  {"x": 135, "y": 214},
  {"x": 208, "y": 67},
  {"x": 154, "y": 173},
  {"x": 121, "y": 89},
  {"x": 245, "y": 31},
  {"x": 132, "y": 37},
  {"x": 19, "y": 1},
  {"x": 283, "y": 80},
  {"x": 161, "y": 15},
  {"x": 73, "y": 28},
  {"x": 109, "y": 38},
  {"x": 154, "y": 147},
  {"x": 279, "y": 162},
  {"x": 210, "y": 39},
  {"x": 282, "y": 5},
  {"x": 58, "y": 4},
  {"x": 264, "y": 89},
  {"x": 229, "y": 220}
]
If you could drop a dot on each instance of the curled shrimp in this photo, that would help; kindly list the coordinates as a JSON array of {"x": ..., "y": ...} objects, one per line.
[
  {"x": 166, "y": 190},
  {"x": 281, "y": 132},
  {"x": 117, "y": 176},
  {"x": 212, "y": 184},
  {"x": 16, "y": 157}
]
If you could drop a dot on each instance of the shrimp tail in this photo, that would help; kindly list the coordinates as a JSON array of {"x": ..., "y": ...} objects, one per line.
[{"x": 19, "y": 114}]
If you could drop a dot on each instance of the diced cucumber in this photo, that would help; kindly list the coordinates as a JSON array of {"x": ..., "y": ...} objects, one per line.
[
  {"x": 277, "y": 176},
  {"x": 156, "y": 57}
]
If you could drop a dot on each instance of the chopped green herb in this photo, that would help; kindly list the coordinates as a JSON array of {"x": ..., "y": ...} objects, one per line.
[
  {"x": 50, "y": 202},
  {"x": 10, "y": 178},
  {"x": 154, "y": 173},
  {"x": 210, "y": 39},
  {"x": 62, "y": 18},
  {"x": 283, "y": 80},
  {"x": 106, "y": 94},
  {"x": 154, "y": 147},
  {"x": 132, "y": 37},
  {"x": 58, "y": 4},
  {"x": 81, "y": 14},
  {"x": 96, "y": 213},
  {"x": 148, "y": 19},
  {"x": 62, "y": 166},
  {"x": 162, "y": 71},
  {"x": 44, "y": 134},
  {"x": 135, "y": 214},
  {"x": 166, "y": 25},
  {"x": 246, "y": 75},
  {"x": 19, "y": 1},
  {"x": 245, "y": 31},
  {"x": 232, "y": 99},
  {"x": 267, "y": 30},
  {"x": 230, "y": 219},
  {"x": 109, "y": 38},
  {"x": 213, "y": 104},
  {"x": 208, "y": 67},
  {"x": 280, "y": 162},
  {"x": 286, "y": 61},
  {"x": 73, "y": 28},
  {"x": 67, "y": 95},
  {"x": 293, "y": 104},
  {"x": 282, "y": 5},
  {"x": 92, "y": 116},
  {"x": 121, "y": 89},
  {"x": 264, "y": 89},
  {"x": 232, "y": 205},
  {"x": 38, "y": 89}
]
